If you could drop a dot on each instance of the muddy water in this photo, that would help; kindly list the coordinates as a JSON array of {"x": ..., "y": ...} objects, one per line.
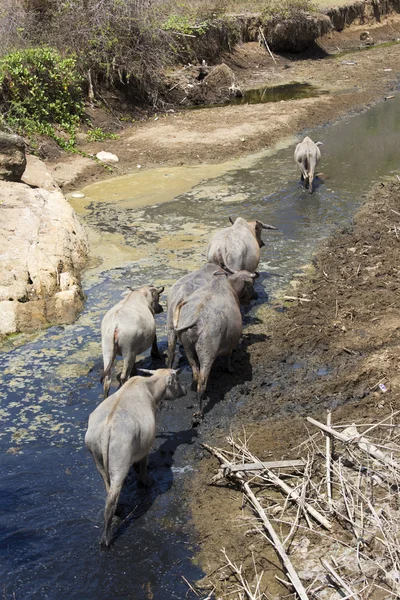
[{"x": 52, "y": 496}]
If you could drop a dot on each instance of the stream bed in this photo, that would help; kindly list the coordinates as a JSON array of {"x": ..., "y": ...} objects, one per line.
[{"x": 52, "y": 497}]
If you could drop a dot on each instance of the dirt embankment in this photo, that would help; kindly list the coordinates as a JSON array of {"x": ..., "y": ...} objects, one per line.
[
  {"x": 328, "y": 351},
  {"x": 220, "y": 133}
]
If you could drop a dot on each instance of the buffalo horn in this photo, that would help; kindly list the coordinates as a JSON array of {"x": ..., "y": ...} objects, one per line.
[
  {"x": 150, "y": 371},
  {"x": 228, "y": 269},
  {"x": 265, "y": 226},
  {"x": 231, "y": 220}
]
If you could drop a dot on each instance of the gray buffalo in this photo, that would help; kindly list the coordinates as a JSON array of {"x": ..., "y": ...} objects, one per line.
[
  {"x": 238, "y": 246},
  {"x": 307, "y": 155},
  {"x": 209, "y": 324},
  {"x": 184, "y": 287},
  {"x": 129, "y": 329},
  {"x": 121, "y": 432}
]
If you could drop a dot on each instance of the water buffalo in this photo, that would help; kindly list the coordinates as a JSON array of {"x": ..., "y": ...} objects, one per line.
[
  {"x": 184, "y": 287},
  {"x": 128, "y": 329},
  {"x": 238, "y": 246},
  {"x": 209, "y": 324},
  {"x": 121, "y": 432},
  {"x": 307, "y": 155}
]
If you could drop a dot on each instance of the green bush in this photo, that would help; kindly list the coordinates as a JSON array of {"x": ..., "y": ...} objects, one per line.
[
  {"x": 98, "y": 135},
  {"x": 185, "y": 24},
  {"x": 40, "y": 93}
]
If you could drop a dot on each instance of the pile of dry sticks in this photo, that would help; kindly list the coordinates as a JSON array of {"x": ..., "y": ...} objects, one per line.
[{"x": 339, "y": 503}]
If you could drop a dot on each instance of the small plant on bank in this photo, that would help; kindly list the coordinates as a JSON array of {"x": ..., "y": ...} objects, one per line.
[
  {"x": 185, "y": 25},
  {"x": 98, "y": 135},
  {"x": 41, "y": 94}
]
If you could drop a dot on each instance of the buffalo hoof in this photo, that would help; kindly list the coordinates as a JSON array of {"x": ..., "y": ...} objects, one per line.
[
  {"x": 105, "y": 543},
  {"x": 197, "y": 419}
]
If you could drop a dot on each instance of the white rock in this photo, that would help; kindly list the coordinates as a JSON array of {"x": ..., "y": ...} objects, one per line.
[
  {"x": 107, "y": 156},
  {"x": 43, "y": 248},
  {"x": 8, "y": 320}
]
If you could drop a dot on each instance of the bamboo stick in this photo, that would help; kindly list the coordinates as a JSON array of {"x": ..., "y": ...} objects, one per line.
[
  {"x": 294, "y": 578},
  {"x": 266, "y": 44},
  {"x": 260, "y": 466},
  {"x": 328, "y": 461},
  {"x": 364, "y": 445},
  {"x": 339, "y": 580}
]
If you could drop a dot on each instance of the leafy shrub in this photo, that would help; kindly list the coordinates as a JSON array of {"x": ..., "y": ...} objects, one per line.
[
  {"x": 185, "y": 24},
  {"x": 98, "y": 135},
  {"x": 40, "y": 93}
]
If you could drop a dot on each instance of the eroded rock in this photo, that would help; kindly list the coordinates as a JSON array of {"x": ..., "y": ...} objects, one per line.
[
  {"x": 36, "y": 174},
  {"x": 43, "y": 248},
  {"x": 12, "y": 156}
]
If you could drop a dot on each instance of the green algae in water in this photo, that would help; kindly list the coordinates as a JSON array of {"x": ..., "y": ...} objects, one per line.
[
  {"x": 279, "y": 93},
  {"x": 265, "y": 94}
]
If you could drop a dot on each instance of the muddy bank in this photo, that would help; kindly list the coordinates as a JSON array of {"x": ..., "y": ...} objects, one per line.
[
  {"x": 329, "y": 350},
  {"x": 361, "y": 13}
]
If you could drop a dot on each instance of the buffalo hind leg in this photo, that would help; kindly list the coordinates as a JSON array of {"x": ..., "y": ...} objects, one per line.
[
  {"x": 109, "y": 511},
  {"x": 171, "y": 347},
  {"x": 144, "y": 478},
  {"x": 100, "y": 467},
  {"x": 310, "y": 183},
  {"x": 194, "y": 364},
  {"x": 201, "y": 390},
  {"x": 229, "y": 367},
  {"x": 128, "y": 369},
  {"x": 155, "y": 353}
]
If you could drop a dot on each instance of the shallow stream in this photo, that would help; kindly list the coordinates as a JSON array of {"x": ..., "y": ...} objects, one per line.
[{"x": 52, "y": 497}]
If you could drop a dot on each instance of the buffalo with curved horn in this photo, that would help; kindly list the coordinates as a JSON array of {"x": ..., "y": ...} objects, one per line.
[{"x": 238, "y": 247}]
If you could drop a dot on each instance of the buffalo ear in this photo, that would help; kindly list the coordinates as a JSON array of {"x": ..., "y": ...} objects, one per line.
[
  {"x": 219, "y": 273},
  {"x": 170, "y": 379},
  {"x": 319, "y": 143}
]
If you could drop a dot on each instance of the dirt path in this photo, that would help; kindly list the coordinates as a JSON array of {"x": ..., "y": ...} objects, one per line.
[{"x": 215, "y": 134}]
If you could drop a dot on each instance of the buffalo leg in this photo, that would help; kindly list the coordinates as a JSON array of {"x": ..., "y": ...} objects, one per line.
[
  {"x": 310, "y": 182},
  {"x": 229, "y": 367},
  {"x": 106, "y": 375},
  {"x": 154, "y": 348},
  {"x": 193, "y": 362},
  {"x": 109, "y": 511},
  {"x": 128, "y": 368},
  {"x": 171, "y": 347},
  {"x": 201, "y": 389},
  {"x": 100, "y": 467},
  {"x": 145, "y": 479}
]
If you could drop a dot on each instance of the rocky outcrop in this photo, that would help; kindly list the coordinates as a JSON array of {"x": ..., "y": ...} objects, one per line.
[
  {"x": 43, "y": 249},
  {"x": 12, "y": 156}
]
